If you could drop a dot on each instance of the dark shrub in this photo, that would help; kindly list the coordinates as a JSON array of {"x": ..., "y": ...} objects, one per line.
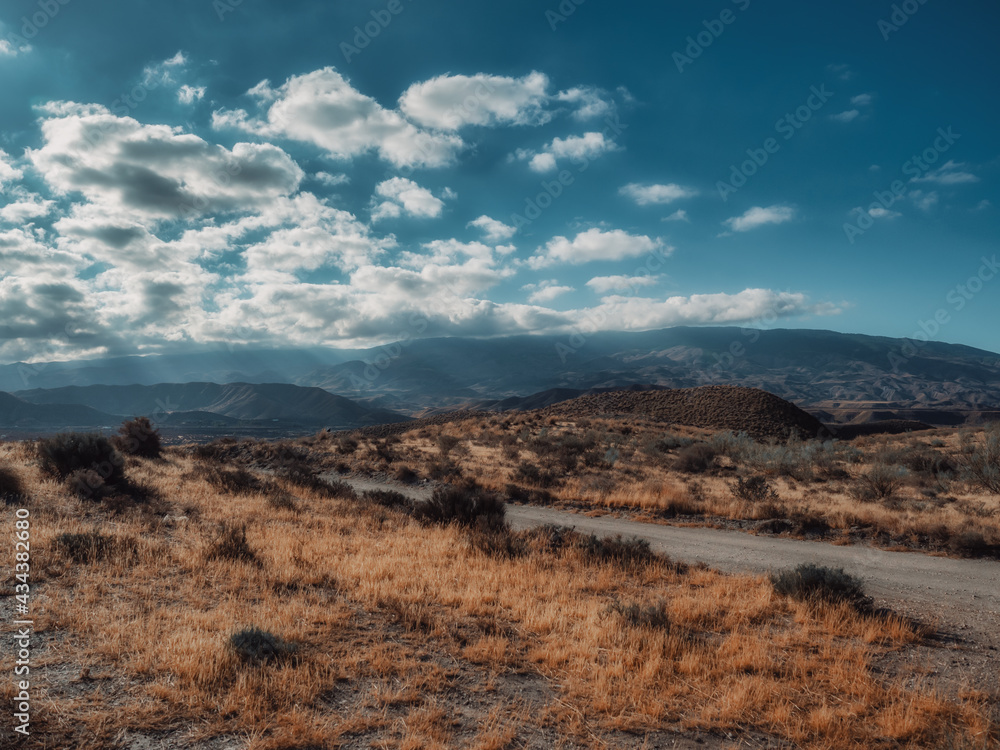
[
  {"x": 347, "y": 445},
  {"x": 230, "y": 543},
  {"x": 406, "y": 475},
  {"x": 387, "y": 498},
  {"x": 67, "y": 452},
  {"x": 753, "y": 489},
  {"x": 233, "y": 481},
  {"x": 529, "y": 473},
  {"x": 651, "y": 616},
  {"x": 697, "y": 458},
  {"x": 86, "y": 484},
  {"x": 880, "y": 482},
  {"x": 278, "y": 499},
  {"x": 630, "y": 551},
  {"x": 517, "y": 494},
  {"x": 981, "y": 461},
  {"x": 11, "y": 488},
  {"x": 467, "y": 504},
  {"x": 256, "y": 646},
  {"x": 138, "y": 437},
  {"x": 444, "y": 470},
  {"x": 92, "y": 546},
  {"x": 970, "y": 544},
  {"x": 809, "y": 582},
  {"x": 447, "y": 443}
]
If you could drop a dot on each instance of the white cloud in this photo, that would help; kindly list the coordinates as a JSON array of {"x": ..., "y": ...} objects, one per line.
[
  {"x": 135, "y": 171},
  {"x": 949, "y": 173},
  {"x": 646, "y": 195},
  {"x": 190, "y": 94},
  {"x": 878, "y": 212},
  {"x": 546, "y": 291},
  {"x": 493, "y": 230},
  {"x": 924, "y": 201},
  {"x": 332, "y": 180},
  {"x": 678, "y": 215},
  {"x": 25, "y": 206},
  {"x": 605, "y": 284},
  {"x": 847, "y": 116},
  {"x": 404, "y": 196},
  {"x": 449, "y": 102},
  {"x": 322, "y": 108},
  {"x": 758, "y": 217},
  {"x": 589, "y": 102},
  {"x": 8, "y": 172},
  {"x": 595, "y": 245},
  {"x": 861, "y": 100},
  {"x": 578, "y": 148},
  {"x": 162, "y": 73}
]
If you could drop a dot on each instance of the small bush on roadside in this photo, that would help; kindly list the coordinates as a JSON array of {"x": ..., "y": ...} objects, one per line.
[
  {"x": 406, "y": 475},
  {"x": 631, "y": 551},
  {"x": 138, "y": 437},
  {"x": 230, "y": 543},
  {"x": 981, "y": 460},
  {"x": 256, "y": 646},
  {"x": 697, "y": 458},
  {"x": 467, "y": 505},
  {"x": 650, "y": 616},
  {"x": 753, "y": 489},
  {"x": 517, "y": 494},
  {"x": 970, "y": 544},
  {"x": 880, "y": 482},
  {"x": 11, "y": 487},
  {"x": 809, "y": 582},
  {"x": 67, "y": 452},
  {"x": 387, "y": 498}
]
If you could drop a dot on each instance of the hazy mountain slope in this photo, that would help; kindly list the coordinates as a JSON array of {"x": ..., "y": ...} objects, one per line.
[
  {"x": 244, "y": 401},
  {"x": 15, "y": 412}
]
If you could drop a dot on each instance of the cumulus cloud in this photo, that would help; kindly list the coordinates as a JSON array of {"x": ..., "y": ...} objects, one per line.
[
  {"x": 678, "y": 215},
  {"x": 25, "y": 206},
  {"x": 924, "y": 201},
  {"x": 758, "y": 217},
  {"x": 949, "y": 173},
  {"x": 545, "y": 291},
  {"x": 605, "y": 284},
  {"x": 449, "y": 102},
  {"x": 134, "y": 171},
  {"x": 404, "y": 196},
  {"x": 493, "y": 230},
  {"x": 878, "y": 212},
  {"x": 578, "y": 148},
  {"x": 162, "y": 73},
  {"x": 190, "y": 94},
  {"x": 594, "y": 245},
  {"x": 322, "y": 108},
  {"x": 861, "y": 100},
  {"x": 8, "y": 172},
  {"x": 331, "y": 180},
  {"x": 646, "y": 195},
  {"x": 588, "y": 102}
]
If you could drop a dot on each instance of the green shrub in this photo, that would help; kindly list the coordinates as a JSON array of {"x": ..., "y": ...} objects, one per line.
[
  {"x": 256, "y": 646},
  {"x": 138, "y": 437},
  {"x": 809, "y": 582},
  {"x": 467, "y": 505},
  {"x": 67, "y": 452}
]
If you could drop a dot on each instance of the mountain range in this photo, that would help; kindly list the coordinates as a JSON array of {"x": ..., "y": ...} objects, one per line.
[{"x": 837, "y": 377}]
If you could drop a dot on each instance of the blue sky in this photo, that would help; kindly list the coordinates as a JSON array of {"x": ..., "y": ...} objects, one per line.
[{"x": 175, "y": 175}]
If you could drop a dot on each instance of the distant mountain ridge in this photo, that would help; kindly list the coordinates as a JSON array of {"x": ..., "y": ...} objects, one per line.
[{"x": 233, "y": 401}]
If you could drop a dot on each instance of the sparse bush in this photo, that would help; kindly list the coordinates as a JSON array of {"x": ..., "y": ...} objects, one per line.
[
  {"x": 650, "y": 616},
  {"x": 981, "y": 460},
  {"x": 406, "y": 475},
  {"x": 466, "y": 505},
  {"x": 232, "y": 481},
  {"x": 446, "y": 470},
  {"x": 627, "y": 552},
  {"x": 753, "y": 489},
  {"x": 11, "y": 487},
  {"x": 278, "y": 499},
  {"x": 92, "y": 546},
  {"x": 446, "y": 443},
  {"x": 970, "y": 544},
  {"x": 697, "y": 458},
  {"x": 388, "y": 498},
  {"x": 67, "y": 452},
  {"x": 809, "y": 582},
  {"x": 138, "y": 437},
  {"x": 347, "y": 445},
  {"x": 517, "y": 494},
  {"x": 230, "y": 543},
  {"x": 667, "y": 442},
  {"x": 880, "y": 482},
  {"x": 530, "y": 473},
  {"x": 256, "y": 646}
]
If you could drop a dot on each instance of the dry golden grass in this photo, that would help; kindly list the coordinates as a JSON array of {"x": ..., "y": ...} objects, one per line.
[
  {"x": 407, "y": 636},
  {"x": 932, "y": 511}
]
